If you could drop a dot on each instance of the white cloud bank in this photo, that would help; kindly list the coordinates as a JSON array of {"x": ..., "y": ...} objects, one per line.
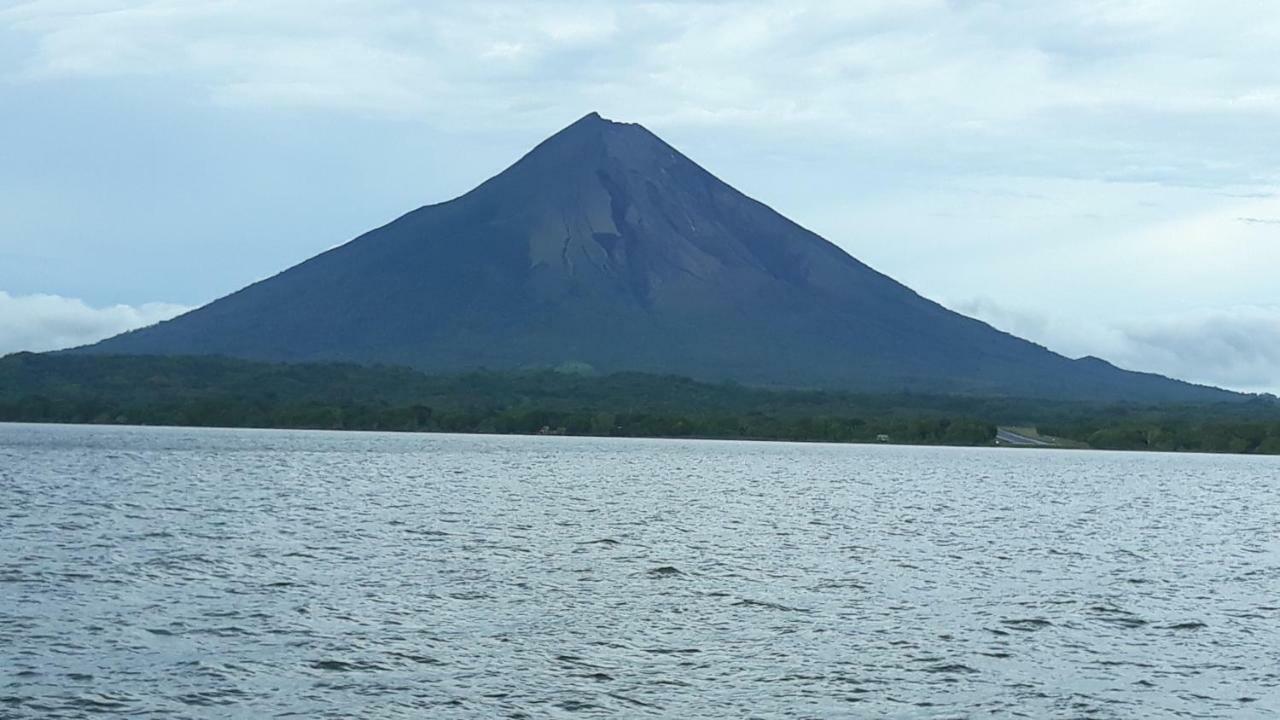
[
  {"x": 1236, "y": 347},
  {"x": 52, "y": 322}
]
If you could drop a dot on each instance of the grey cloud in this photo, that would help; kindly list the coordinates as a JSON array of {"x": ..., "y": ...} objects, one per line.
[
  {"x": 51, "y": 322},
  {"x": 1259, "y": 221},
  {"x": 964, "y": 87},
  {"x": 1237, "y": 347}
]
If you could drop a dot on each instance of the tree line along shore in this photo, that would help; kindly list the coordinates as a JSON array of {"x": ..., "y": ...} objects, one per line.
[{"x": 222, "y": 392}]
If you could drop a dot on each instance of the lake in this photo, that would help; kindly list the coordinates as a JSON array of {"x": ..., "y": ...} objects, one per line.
[{"x": 165, "y": 572}]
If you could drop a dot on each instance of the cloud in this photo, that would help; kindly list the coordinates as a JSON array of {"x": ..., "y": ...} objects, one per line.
[
  {"x": 1236, "y": 347},
  {"x": 1134, "y": 91},
  {"x": 52, "y": 322}
]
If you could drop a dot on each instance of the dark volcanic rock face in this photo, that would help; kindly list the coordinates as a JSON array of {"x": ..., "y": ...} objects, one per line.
[{"x": 606, "y": 246}]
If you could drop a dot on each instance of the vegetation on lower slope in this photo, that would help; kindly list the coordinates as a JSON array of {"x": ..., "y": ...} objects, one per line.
[{"x": 210, "y": 391}]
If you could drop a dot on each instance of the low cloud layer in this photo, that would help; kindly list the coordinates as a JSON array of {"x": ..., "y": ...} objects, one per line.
[
  {"x": 1237, "y": 347},
  {"x": 52, "y": 322}
]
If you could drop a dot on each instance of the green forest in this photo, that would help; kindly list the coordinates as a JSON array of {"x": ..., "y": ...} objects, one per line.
[{"x": 210, "y": 391}]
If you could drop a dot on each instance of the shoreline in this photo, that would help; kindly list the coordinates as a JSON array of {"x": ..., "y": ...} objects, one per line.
[{"x": 698, "y": 438}]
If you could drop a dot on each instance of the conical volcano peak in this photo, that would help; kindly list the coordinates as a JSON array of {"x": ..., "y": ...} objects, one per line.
[
  {"x": 588, "y": 125},
  {"x": 583, "y": 180},
  {"x": 594, "y": 118},
  {"x": 591, "y": 118},
  {"x": 605, "y": 246},
  {"x": 591, "y": 141}
]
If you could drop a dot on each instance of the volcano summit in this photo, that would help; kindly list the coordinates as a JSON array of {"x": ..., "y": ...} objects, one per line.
[{"x": 606, "y": 247}]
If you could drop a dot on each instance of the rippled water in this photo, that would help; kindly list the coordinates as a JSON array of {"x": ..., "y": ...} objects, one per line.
[{"x": 216, "y": 573}]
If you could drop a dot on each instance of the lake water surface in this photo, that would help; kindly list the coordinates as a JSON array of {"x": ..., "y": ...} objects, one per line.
[{"x": 224, "y": 573}]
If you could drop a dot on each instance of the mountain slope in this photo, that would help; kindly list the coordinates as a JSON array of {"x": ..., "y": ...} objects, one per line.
[{"x": 606, "y": 246}]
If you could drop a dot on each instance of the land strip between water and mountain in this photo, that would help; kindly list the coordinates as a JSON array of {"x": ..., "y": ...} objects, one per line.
[{"x": 223, "y": 392}]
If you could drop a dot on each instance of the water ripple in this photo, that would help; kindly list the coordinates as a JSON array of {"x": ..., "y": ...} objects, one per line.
[{"x": 212, "y": 573}]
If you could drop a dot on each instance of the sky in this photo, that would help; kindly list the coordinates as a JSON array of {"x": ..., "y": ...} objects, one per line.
[{"x": 1100, "y": 177}]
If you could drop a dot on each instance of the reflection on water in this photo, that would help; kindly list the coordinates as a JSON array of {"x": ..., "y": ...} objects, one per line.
[{"x": 208, "y": 573}]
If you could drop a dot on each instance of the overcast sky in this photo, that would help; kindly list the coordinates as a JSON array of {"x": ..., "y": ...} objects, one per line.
[{"x": 1100, "y": 177}]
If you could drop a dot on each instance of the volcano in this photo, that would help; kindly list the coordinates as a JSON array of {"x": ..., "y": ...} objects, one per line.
[{"x": 605, "y": 249}]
